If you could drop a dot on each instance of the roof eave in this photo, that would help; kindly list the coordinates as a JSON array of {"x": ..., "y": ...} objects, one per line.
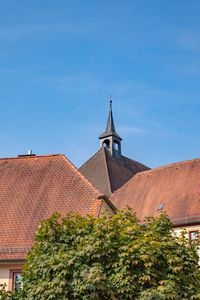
[
  {"x": 10, "y": 261},
  {"x": 107, "y": 134},
  {"x": 185, "y": 221}
]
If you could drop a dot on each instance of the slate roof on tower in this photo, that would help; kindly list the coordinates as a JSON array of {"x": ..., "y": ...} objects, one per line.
[
  {"x": 174, "y": 188},
  {"x": 109, "y": 174},
  {"x": 32, "y": 188},
  {"x": 108, "y": 169}
]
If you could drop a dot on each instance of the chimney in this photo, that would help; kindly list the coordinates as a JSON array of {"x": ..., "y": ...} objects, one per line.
[{"x": 30, "y": 153}]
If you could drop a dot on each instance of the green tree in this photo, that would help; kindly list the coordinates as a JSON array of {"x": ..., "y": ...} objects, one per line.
[
  {"x": 4, "y": 295},
  {"x": 113, "y": 257},
  {"x": 7, "y": 295}
]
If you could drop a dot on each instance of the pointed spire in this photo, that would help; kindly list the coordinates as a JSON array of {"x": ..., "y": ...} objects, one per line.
[{"x": 110, "y": 128}]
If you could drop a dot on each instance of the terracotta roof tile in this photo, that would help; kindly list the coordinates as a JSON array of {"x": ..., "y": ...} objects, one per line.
[
  {"x": 173, "y": 188},
  {"x": 31, "y": 189},
  {"x": 96, "y": 207}
]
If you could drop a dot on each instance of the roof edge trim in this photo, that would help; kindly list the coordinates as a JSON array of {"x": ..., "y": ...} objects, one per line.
[{"x": 169, "y": 165}]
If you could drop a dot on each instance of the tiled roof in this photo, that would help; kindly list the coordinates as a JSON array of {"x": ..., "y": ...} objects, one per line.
[
  {"x": 108, "y": 173},
  {"x": 174, "y": 189},
  {"x": 31, "y": 189}
]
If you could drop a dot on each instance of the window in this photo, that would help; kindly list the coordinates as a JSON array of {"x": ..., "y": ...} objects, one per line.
[
  {"x": 193, "y": 235},
  {"x": 15, "y": 280}
]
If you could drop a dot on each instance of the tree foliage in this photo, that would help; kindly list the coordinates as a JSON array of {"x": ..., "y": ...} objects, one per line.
[
  {"x": 4, "y": 295},
  {"x": 113, "y": 257},
  {"x": 8, "y": 295}
]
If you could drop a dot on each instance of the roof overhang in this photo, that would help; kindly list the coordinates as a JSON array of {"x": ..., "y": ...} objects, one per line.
[
  {"x": 11, "y": 261},
  {"x": 186, "y": 221},
  {"x": 108, "y": 134}
]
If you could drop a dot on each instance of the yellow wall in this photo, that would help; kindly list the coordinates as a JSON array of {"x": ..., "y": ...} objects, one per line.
[
  {"x": 5, "y": 272},
  {"x": 187, "y": 228}
]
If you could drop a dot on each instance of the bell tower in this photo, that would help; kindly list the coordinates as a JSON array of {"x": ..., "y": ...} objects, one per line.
[{"x": 110, "y": 139}]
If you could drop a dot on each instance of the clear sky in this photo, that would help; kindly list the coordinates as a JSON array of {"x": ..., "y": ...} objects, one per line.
[{"x": 61, "y": 59}]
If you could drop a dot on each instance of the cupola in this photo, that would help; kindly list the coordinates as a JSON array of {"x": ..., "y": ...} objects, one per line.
[{"x": 110, "y": 139}]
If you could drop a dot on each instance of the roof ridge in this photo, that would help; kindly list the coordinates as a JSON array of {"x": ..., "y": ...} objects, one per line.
[
  {"x": 54, "y": 155},
  {"x": 30, "y": 156},
  {"x": 79, "y": 172},
  {"x": 90, "y": 158},
  {"x": 169, "y": 165},
  {"x": 152, "y": 170},
  {"x": 107, "y": 171}
]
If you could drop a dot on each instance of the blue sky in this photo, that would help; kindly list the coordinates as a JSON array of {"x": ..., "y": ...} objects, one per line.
[{"x": 60, "y": 61}]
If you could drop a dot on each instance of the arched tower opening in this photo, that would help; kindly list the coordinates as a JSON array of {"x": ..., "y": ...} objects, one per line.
[
  {"x": 106, "y": 143},
  {"x": 116, "y": 145}
]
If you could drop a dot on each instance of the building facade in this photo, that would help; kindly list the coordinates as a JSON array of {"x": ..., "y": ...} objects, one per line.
[{"x": 32, "y": 188}]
